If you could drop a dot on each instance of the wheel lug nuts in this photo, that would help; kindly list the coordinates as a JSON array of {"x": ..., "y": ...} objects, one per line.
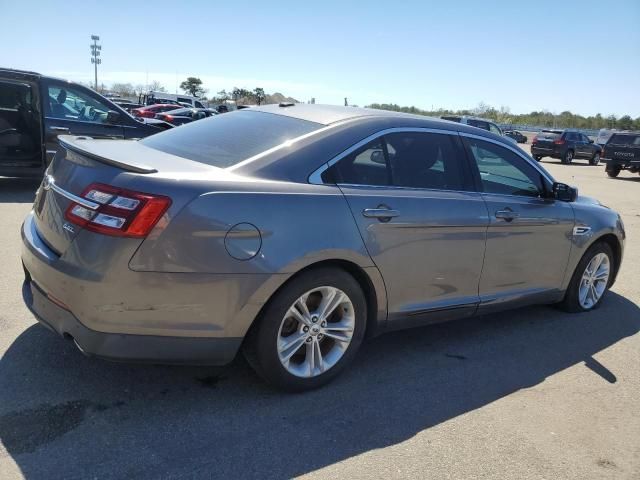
[
  {"x": 320, "y": 336},
  {"x": 309, "y": 339},
  {"x": 305, "y": 329},
  {"x": 324, "y": 324},
  {"x": 314, "y": 319}
]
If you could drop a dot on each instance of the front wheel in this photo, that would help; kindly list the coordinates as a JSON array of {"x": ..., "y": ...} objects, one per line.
[
  {"x": 595, "y": 160},
  {"x": 591, "y": 279},
  {"x": 310, "y": 331}
]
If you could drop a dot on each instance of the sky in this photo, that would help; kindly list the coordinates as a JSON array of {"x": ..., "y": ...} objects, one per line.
[{"x": 582, "y": 56}]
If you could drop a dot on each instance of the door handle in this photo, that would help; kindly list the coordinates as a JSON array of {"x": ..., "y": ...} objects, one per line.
[
  {"x": 60, "y": 129},
  {"x": 381, "y": 213},
  {"x": 507, "y": 214}
]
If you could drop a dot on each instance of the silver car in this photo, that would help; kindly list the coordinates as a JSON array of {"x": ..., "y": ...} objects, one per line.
[{"x": 293, "y": 232}]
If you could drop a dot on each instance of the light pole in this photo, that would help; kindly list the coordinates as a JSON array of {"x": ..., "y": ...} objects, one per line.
[{"x": 95, "y": 54}]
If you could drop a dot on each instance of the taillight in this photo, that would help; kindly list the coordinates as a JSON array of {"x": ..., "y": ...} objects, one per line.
[
  {"x": 168, "y": 117},
  {"x": 120, "y": 212},
  {"x": 535, "y": 139},
  {"x": 558, "y": 142},
  {"x": 603, "y": 153}
]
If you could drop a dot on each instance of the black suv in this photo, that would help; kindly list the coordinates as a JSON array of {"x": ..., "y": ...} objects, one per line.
[
  {"x": 622, "y": 152},
  {"x": 566, "y": 145},
  {"x": 35, "y": 109}
]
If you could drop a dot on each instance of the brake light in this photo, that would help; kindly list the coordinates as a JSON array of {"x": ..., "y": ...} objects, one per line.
[
  {"x": 168, "y": 117},
  {"x": 535, "y": 139},
  {"x": 558, "y": 142},
  {"x": 603, "y": 153},
  {"x": 121, "y": 213}
]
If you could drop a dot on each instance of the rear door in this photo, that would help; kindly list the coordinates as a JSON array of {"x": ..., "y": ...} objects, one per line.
[
  {"x": 529, "y": 235},
  {"x": 73, "y": 110},
  {"x": 410, "y": 194}
]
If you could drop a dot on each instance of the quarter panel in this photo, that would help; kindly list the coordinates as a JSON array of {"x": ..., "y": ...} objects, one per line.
[{"x": 297, "y": 224}]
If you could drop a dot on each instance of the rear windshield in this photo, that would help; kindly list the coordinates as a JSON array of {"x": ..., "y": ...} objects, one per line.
[
  {"x": 548, "y": 136},
  {"x": 224, "y": 140},
  {"x": 618, "y": 139}
]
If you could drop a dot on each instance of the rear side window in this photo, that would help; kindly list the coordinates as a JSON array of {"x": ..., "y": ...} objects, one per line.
[
  {"x": 630, "y": 140},
  {"x": 225, "y": 140},
  {"x": 404, "y": 159},
  {"x": 478, "y": 124}
]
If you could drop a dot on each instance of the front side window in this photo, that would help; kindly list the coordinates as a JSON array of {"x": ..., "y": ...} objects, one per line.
[
  {"x": 503, "y": 171},
  {"x": 494, "y": 129},
  {"x": 365, "y": 166},
  {"x": 69, "y": 103}
]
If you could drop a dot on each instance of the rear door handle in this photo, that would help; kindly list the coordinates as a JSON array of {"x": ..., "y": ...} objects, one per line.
[
  {"x": 507, "y": 214},
  {"x": 60, "y": 129},
  {"x": 381, "y": 213}
]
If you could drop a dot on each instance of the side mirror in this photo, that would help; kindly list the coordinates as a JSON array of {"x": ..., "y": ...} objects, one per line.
[
  {"x": 377, "y": 156},
  {"x": 590, "y": 141},
  {"x": 564, "y": 192},
  {"x": 113, "y": 116}
]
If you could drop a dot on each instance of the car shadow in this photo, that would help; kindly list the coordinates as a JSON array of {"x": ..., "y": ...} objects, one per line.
[
  {"x": 18, "y": 190},
  {"x": 64, "y": 415}
]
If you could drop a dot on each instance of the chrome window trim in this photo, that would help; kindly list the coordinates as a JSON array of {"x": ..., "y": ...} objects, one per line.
[{"x": 316, "y": 177}]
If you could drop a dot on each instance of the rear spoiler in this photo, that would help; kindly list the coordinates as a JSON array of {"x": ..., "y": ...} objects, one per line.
[{"x": 81, "y": 146}]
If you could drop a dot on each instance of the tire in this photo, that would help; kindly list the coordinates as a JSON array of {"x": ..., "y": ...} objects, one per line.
[
  {"x": 567, "y": 158},
  {"x": 595, "y": 160},
  {"x": 266, "y": 342},
  {"x": 613, "y": 172},
  {"x": 572, "y": 300}
]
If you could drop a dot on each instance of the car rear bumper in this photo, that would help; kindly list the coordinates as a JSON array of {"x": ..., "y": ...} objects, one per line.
[
  {"x": 123, "y": 347},
  {"x": 545, "y": 152},
  {"x": 130, "y": 318},
  {"x": 619, "y": 163}
]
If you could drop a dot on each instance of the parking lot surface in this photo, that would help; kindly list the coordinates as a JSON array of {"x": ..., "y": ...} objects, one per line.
[{"x": 534, "y": 393}]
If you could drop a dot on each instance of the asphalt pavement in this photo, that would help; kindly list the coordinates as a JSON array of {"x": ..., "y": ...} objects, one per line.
[{"x": 529, "y": 394}]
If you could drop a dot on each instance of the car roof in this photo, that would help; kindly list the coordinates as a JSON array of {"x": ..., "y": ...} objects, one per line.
[{"x": 329, "y": 114}]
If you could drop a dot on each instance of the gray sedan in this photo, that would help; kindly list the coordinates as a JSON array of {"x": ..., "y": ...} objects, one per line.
[{"x": 293, "y": 232}]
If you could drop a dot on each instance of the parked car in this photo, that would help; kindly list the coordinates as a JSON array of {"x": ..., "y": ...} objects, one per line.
[
  {"x": 150, "y": 111},
  {"x": 127, "y": 104},
  {"x": 295, "y": 232},
  {"x": 35, "y": 109},
  {"x": 566, "y": 145},
  {"x": 152, "y": 98},
  {"x": 482, "y": 123},
  {"x": 516, "y": 135},
  {"x": 622, "y": 152},
  {"x": 185, "y": 115}
]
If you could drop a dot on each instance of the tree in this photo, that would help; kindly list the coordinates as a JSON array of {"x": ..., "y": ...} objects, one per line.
[
  {"x": 259, "y": 95},
  {"x": 156, "y": 86},
  {"x": 123, "y": 89},
  {"x": 193, "y": 86},
  {"x": 625, "y": 123}
]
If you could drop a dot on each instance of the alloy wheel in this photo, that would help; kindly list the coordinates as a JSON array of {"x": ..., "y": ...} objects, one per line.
[
  {"x": 594, "y": 281},
  {"x": 316, "y": 331}
]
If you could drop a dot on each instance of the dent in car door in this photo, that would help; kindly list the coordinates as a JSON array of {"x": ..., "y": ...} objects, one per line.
[
  {"x": 428, "y": 243},
  {"x": 529, "y": 237}
]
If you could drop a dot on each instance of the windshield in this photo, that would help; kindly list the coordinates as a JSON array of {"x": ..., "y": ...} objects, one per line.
[
  {"x": 618, "y": 139},
  {"x": 224, "y": 140}
]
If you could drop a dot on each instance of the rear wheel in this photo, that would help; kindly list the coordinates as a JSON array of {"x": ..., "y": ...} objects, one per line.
[
  {"x": 595, "y": 160},
  {"x": 613, "y": 172},
  {"x": 567, "y": 157},
  {"x": 591, "y": 279},
  {"x": 310, "y": 331}
]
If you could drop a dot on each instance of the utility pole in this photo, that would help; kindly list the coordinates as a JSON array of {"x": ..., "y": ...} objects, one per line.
[{"x": 95, "y": 54}]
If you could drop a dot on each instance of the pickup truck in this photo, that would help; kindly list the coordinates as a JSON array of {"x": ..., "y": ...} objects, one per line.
[
  {"x": 622, "y": 152},
  {"x": 35, "y": 109}
]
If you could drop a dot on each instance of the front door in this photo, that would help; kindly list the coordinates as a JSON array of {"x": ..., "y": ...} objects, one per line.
[
  {"x": 529, "y": 235},
  {"x": 410, "y": 194},
  {"x": 72, "y": 110}
]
